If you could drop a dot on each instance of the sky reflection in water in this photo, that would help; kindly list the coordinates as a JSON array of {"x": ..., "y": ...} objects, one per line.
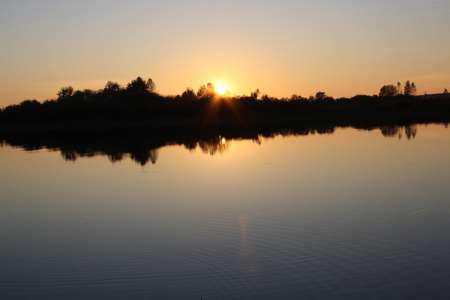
[{"x": 348, "y": 215}]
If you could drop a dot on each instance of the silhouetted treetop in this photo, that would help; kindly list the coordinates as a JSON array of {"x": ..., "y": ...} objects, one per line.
[
  {"x": 410, "y": 88},
  {"x": 255, "y": 94},
  {"x": 399, "y": 88},
  {"x": 65, "y": 93},
  {"x": 388, "y": 91},
  {"x": 111, "y": 87},
  {"x": 188, "y": 94},
  {"x": 83, "y": 95},
  {"x": 320, "y": 96},
  {"x": 140, "y": 86},
  {"x": 206, "y": 91}
]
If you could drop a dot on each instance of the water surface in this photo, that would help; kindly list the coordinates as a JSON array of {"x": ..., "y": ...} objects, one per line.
[{"x": 355, "y": 214}]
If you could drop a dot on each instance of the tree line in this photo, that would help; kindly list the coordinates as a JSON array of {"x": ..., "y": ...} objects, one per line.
[
  {"x": 391, "y": 90},
  {"x": 139, "y": 100}
]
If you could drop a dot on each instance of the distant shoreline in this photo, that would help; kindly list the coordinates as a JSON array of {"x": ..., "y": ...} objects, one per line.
[
  {"x": 151, "y": 111},
  {"x": 253, "y": 122}
]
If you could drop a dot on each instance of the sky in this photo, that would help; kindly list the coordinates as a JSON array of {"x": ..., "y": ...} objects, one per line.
[{"x": 283, "y": 47}]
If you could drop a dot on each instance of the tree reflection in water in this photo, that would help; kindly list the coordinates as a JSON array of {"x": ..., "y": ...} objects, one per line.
[
  {"x": 393, "y": 130},
  {"x": 218, "y": 144},
  {"x": 143, "y": 145}
]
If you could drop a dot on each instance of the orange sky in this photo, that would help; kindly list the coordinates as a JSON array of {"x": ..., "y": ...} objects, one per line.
[{"x": 283, "y": 47}]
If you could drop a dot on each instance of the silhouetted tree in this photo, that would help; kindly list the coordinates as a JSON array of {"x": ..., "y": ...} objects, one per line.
[
  {"x": 410, "y": 88},
  {"x": 208, "y": 91},
  {"x": 413, "y": 88},
  {"x": 295, "y": 97},
  {"x": 388, "y": 91},
  {"x": 65, "y": 93},
  {"x": 399, "y": 88},
  {"x": 140, "y": 86},
  {"x": 29, "y": 108},
  {"x": 320, "y": 96},
  {"x": 151, "y": 85},
  {"x": 188, "y": 94},
  {"x": 445, "y": 91},
  {"x": 266, "y": 98},
  {"x": 30, "y": 103},
  {"x": 83, "y": 95},
  {"x": 255, "y": 94},
  {"x": 111, "y": 87}
]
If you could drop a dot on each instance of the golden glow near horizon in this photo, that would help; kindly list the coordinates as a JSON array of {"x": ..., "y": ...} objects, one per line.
[
  {"x": 300, "y": 47},
  {"x": 221, "y": 88}
]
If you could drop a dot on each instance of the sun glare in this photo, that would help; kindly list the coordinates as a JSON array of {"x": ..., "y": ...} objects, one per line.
[{"x": 221, "y": 88}]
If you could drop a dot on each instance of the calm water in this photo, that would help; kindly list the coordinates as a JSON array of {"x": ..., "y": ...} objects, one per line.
[{"x": 350, "y": 215}]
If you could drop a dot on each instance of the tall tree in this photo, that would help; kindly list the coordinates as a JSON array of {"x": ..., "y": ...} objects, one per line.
[
  {"x": 388, "y": 91},
  {"x": 410, "y": 88},
  {"x": 413, "y": 88},
  {"x": 399, "y": 88},
  {"x": 151, "y": 85}
]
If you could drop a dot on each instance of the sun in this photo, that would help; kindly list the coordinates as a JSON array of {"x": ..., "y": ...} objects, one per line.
[{"x": 221, "y": 88}]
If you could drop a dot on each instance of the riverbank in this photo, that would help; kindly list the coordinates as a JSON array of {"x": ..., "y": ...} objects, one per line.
[{"x": 224, "y": 114}]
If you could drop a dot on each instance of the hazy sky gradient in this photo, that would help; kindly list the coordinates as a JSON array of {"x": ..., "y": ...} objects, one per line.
[{"x": 283, "y": 47}]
